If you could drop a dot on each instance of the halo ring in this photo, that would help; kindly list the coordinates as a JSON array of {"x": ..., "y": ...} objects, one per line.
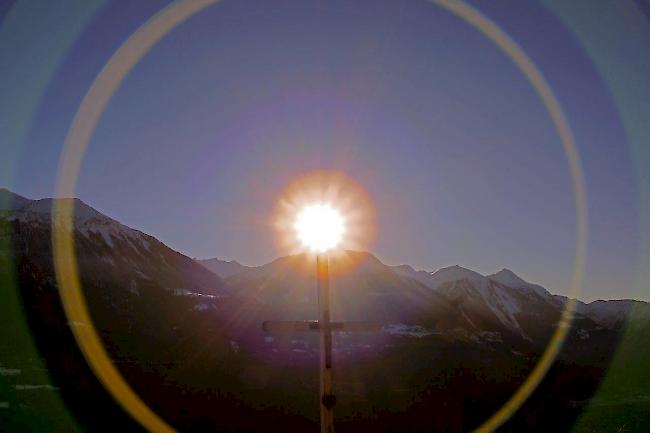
[{"x": 96, "y": 100}]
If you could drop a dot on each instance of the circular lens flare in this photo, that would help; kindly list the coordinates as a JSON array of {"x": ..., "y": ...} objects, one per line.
[{"x": 320, "y": 227}]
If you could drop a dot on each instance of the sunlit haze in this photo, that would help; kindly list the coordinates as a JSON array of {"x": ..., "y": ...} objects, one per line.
[{"x": 448, "y": 139}]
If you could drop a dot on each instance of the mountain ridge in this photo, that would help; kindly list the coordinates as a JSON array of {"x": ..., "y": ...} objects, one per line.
[
  {"x": 162, "y": 315},
  {"x": 113, "y": 249},
  {"x": 499, "y": 302},
  {"x": 23, "y": 208}
]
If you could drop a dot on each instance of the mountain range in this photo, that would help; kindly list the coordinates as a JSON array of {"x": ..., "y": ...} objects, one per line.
[
  {"x": 177, "y": 326},
  {"x": 450, "y": 299}
]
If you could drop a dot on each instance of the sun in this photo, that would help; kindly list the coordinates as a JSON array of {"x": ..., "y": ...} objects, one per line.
[
  {"x": 323, "y": 211},
  {"x": 320, "y": 227}
]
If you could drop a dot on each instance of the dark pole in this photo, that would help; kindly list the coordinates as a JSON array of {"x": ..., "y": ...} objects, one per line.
[{"x": 327, "y": 399}]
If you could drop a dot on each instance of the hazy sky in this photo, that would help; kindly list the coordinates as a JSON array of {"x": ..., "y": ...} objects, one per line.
[{"x": 455, "y": 148}]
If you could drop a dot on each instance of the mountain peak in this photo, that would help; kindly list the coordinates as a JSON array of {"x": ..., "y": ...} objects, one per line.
[
  {"x": 405, "y": 269},
  {"x": 508, "y": 278},
  {"x": 82, "y": 211},
  {"x": 11, "y": 201},
  {"x": 506, "y": 273},
  {"x": 223, "y": 268},
  {"x": 456, "y": 272}
]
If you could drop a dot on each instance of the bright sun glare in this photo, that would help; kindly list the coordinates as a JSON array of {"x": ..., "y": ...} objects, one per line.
[{"x": 320, "y": 227}]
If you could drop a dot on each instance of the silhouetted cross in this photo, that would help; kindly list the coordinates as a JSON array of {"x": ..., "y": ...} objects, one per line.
[{"x": 325, "y": 327}]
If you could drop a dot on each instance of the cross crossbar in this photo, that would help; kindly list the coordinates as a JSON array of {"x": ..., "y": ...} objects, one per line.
[{"x": 313, "y": 325}]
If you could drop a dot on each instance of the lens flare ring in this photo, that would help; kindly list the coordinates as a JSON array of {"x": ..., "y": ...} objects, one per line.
[
  {"x": 516, "y": 54},
  {"x": 96, "y": 100},
  {"x": 65, "y": 260}
]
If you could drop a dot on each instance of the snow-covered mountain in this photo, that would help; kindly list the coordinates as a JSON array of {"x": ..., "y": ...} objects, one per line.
[
  {"x": 613, "y": 312},
  {"x": 447, "y": 300},
  {"x": 510, "y": 279},
  {"x": 224, "y": 268},
  {"x": 452, "y": 300},
  {"x": 148, "y": 303},
  {"x": 508, "y": 295},
  {"x": 113, "y": 251},
  {"x": 503, "y": 295},
  {"x": 173, "y": 327},
  {"x": 87, "y": 221}
]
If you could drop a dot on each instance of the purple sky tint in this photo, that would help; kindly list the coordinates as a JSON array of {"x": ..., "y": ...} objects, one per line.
[{"x": 450, "y": 140}]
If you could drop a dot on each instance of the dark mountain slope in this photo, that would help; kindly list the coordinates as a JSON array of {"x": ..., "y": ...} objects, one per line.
[{"x": 453, "y": 346}]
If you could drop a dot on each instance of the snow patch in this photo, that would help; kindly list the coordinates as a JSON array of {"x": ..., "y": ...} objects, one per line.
[
  {"x": 455, "y": 273},
  {"x": 9, "y": 371},
  {"x": 105, "y": 233},
  {"x": 33, "y": 387},
  {"x": 181, "y": 292},
  {"x": 464, "y": 314},
  {"x": 133, "y": 288},
  {"x": 491, "y": 336},
  {"x": 416, "y": 331},
  {"x": 510, "y": 279}
]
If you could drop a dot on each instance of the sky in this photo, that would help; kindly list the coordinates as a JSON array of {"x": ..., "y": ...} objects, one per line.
[{"x": 451, "y": 142}]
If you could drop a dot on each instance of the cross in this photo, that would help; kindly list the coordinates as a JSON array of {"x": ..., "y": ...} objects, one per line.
[{"x": 325, "y": 327}]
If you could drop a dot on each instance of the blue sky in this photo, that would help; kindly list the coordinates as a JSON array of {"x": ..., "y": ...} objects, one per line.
[{"x": 453, "y": 145}]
